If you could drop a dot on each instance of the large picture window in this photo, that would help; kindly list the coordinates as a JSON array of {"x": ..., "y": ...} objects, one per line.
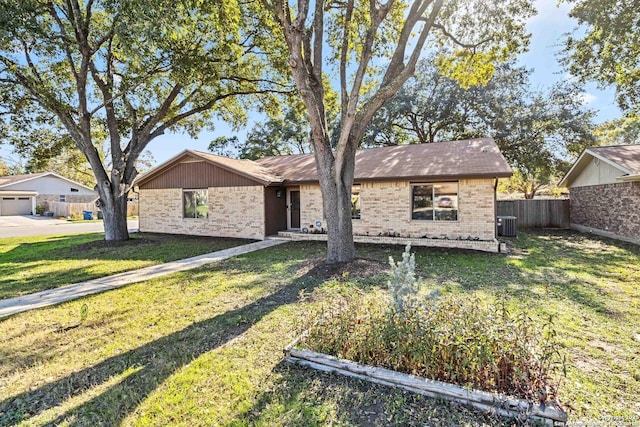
[
  {"x": 435, "y": 202},
  {"x": 195, "y": 204}
]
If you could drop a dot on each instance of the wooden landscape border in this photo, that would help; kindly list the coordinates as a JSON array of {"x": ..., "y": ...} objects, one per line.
[{"x": 482, "y": 400}]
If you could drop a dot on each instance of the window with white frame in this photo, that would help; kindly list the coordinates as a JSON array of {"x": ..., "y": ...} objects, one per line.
[
  {"x": 195, "y": 204},
  {"x": 434, "y": 201},
  {"x": 62, "y": 198}
]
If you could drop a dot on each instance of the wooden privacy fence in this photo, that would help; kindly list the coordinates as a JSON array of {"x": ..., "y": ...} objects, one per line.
[
  {"x": 537, "y": 213},
  {"x": 76, "y": 209},
  {"x": 70, "y": 209}
]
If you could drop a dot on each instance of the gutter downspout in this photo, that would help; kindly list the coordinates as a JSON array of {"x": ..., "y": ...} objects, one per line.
[{"x": 495, "y": 209}]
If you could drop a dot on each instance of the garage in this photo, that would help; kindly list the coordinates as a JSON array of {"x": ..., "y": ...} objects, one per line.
[
  {"x": 15, "y": 205},
  {"x": 17, "y": 202}
]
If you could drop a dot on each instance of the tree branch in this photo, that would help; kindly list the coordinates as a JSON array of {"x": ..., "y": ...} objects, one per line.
[
  {"x": 66, "y": 40},
  {"x": 344, "y": 52},
  {"x": 453, "y": 38},
  {"x": 30, "y": 63}
]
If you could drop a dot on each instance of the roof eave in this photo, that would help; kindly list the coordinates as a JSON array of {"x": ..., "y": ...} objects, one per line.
[
  {"x": 233, "y": 170},
  {"x": 610, "y": 162},
  {"x": 630, "y": 178},
  {"x": 140, "y": 179},
  {"x": 415, "y": 178},
  {"x": 18, "y": 192},
  {"x": 42, "y": 175},
  {"x": 166, "y": 165},
  {"x": 567, "y": 179}
]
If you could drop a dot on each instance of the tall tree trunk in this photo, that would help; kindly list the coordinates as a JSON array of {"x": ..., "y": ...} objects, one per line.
[
  {"x": 114, "y": 211},
  {"x": 336, "y": 180}
]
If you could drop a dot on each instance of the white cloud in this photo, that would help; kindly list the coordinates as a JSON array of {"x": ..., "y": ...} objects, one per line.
[{"x": 587, "y": 98}]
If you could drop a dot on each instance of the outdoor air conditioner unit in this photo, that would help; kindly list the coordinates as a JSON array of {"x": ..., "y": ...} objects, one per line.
[{"x": 507, "y": 226}]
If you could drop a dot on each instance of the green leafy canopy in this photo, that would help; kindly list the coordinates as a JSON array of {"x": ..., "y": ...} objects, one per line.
[
  {"x": 606, "y": 47},
  {"x": 119, "y": 73}
]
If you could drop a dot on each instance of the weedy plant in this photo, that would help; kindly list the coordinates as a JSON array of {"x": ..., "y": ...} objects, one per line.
[
  {"x": 403, "y": 284},
  {"x": 84, "y": 311},
  {"x": 460, "y": 340}
]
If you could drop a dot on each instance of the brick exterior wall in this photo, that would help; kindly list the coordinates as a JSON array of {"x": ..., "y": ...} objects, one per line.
[
  {"x": 310, "y": 205},
  {"x": 233, "y": 212},
  {"x": 386, "y": 208},
  {"x": 43, "y": 199},
  {"x": 614, "y": 208}
]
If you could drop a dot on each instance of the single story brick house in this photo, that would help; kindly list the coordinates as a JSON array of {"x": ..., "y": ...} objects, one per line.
[
  {"x": 443, "y": 191},
  {"x": 604, "y": 187},
  {"x": 20, "y": 194}
]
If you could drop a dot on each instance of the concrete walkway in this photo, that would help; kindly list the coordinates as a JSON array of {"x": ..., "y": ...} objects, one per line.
[{"x": 15, "y": 305}]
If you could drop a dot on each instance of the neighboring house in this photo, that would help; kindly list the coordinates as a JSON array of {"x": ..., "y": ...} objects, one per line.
[
  {"x": 19, "y": 194},
  {"x": 604, "y": 187},
  {"x": 434, "y": 191}
]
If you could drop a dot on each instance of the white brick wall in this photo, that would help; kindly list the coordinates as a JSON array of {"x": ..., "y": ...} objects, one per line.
[
  {"x": 386, "y": 208},
  {"x": 233, "y": 212}
]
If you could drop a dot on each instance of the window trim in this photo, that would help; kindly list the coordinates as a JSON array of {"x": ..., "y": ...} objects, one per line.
[
  {"x": 185, "y": 190},
  {"x": 433, "y": 187}
]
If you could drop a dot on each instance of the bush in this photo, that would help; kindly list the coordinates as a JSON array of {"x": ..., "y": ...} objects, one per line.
[
  {"x": 460, "y": 340},
  {"x": 39, "y": 209}
]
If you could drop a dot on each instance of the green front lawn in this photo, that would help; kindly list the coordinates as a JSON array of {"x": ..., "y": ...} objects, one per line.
[
  {"x": 31, "y": 264},
  {"x": 204, "y": 347}
]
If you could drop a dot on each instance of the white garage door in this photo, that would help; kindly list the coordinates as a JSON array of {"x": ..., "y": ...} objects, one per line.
[{"x": 14, "y": 205}]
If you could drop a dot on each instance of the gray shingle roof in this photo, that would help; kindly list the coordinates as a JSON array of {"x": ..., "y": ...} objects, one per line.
[{"x": 627, "y": 156}]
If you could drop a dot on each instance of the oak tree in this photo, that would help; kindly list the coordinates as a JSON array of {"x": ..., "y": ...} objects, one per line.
[
  {"x": 123, "y": 72},
  {"x": 370, "y": 48},
  {"x": 536, "y": 130}
]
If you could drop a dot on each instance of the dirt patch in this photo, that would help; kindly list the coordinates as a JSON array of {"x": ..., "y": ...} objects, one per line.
[{"x": 359, "y": 268}]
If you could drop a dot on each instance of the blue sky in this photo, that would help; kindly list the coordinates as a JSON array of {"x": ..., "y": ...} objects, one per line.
[{"x": 548, "y": 29}]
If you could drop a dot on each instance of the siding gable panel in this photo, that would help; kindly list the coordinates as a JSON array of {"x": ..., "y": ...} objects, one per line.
[{"x": 193, "y": 173}]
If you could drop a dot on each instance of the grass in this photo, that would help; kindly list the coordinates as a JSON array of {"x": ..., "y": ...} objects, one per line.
[
  {"x": 31, "y": 264},
  {"x": 204, "y": 347}
]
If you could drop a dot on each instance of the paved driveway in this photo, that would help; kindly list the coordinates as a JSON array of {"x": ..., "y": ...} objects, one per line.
[{"x": 27, "y": 225}]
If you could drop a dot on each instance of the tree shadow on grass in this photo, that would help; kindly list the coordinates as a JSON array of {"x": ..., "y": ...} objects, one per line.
[
  {"x": 306, "y": 397},
  {"x": 149, "y": 365},
  {"x": 16, "y": 264},
  {"x": 552, "y": 259}
]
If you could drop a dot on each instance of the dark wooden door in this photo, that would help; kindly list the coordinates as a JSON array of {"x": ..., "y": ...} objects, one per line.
[{"x": 294, "y": 208}]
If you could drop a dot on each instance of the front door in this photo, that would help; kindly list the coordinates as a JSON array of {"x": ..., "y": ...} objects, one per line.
[{"x": 294, "y": 209}]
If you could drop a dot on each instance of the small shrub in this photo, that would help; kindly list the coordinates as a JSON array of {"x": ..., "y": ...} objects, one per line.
[
  {"x": 39, "y": 209},
  {"x": 403, "y": 284}
]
